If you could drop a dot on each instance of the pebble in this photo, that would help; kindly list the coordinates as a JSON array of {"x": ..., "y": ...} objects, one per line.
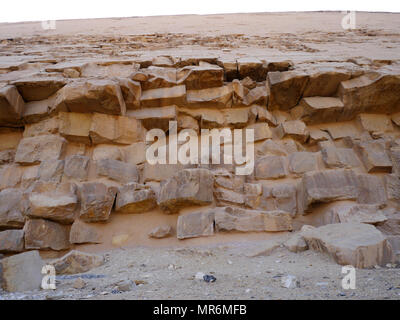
[{"x": 79, "y": 284}]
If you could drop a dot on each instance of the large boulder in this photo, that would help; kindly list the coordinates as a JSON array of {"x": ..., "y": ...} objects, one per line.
[
  {"x": 97, "y": 200},
  {"x": 301, "y": 162},
  {"x": 201, "y": 77},
  {"x": 82, "y": 232},
  {"x": 119, "y": 171},
  {"x": 11, "y": 241},
  {"x": 374, "y": 156},
  {"x": 371, "y": 92},
  {"x": 52, "y": 201},
  {"x": 135, "y": 198},
  {"x": 94, "y": 95},
  {"x": 357, "y": 244},
  {"x": 230, "y": 218},
  {"x": 115, "y": 129},
  {"x": 271, "y": 167},
  {"x": 77, "y": 262},
  {"x": 155, "y": 117},
  {"x": 219, "y": 97},
  {"x": 36, "y": 149},
  {"x": 195, "y": 224},
  {"x": 373, "y": 122},
  {"x": 164, "y": 97},
  {"x": 11, "y": 106},
  {"x": 44, "y": 234},
  {"x": 75, "y": 126},
  {"x": 77, "y": 167},
  {"x": 294, "y": 129},
  {"x": 329, "y": 185},
  {"x": 37, "y": 87},
  {"x": 340, "y": 157},
  {"x": 371, "y": 189},
  {"x": 21, "y": 272},
  {"x": 285, "y": 89},
  {"x": 313, "y": 110},
  {"x": 360, "y": 213},
  {"x": 187, "y": 187}
]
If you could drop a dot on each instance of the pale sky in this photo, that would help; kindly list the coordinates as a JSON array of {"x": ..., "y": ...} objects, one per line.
[{"x": 39, "y": 10}]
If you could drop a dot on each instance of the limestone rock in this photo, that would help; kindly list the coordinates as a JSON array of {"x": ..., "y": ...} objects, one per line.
[
  {"x": 135, "y": 198},
  {"x": 155, "y": 117},
  {"x": 11, "y": 106},
  {"x": 370, "y": 189},
  {"x": 357, "y": 244},
  {"x": 195, "y": 224},
  {"x": 75, "y": 126},
  {"x": 220, "y": 97},
  {"x": 301, "y": 162},
  {"x": 77, "y": 167},
  {"x": 375, "y": 122},
  {"x": 161, "y": 232},
  {"x": 253, "y": 68},
  {"x": 325, "y": 82},
  {"x": 360, "y": 213},
  {"x": 270, "y": 167},
  {"x": 97, "y": 200},
  {"x": 201, "y": 77},
  {"x": 119, "y": 171},
  {"x": 238, "y": 219},
  {"x": 261, "y": 131},
  {"x": 280, "y": 197},
  {"x": 36, "y": 87},
  {"x": 329, "y": 185},
  {"x": 108, "y": 151},
  {"x": 36, "y": 149},
  {"x": 370, "y": 93},
  {"x": 285, "y": 89},
  {"x": 11, "y": 241},
  {"x": 53, "y": 201},
  {"x": 12, "y": 209},
  {"x": 295, "y": 129},
  {"x": 374, "y": 156},
  {"x": 51, "y": 170},
  {"x": 131, "y": 92},
  {"x": 164, "y": 97},
  {"x": 392, "y": 184},
  {"x": 82, "y": 232},
  {"x": 313, "y": 110},
  {"x": 115, "y": 129},
  {"x": 44, "y": 234},
  {"x": 95, "y": 95},
  {"x": 340, "y": 157},
  {"x": 296, "y": 243},
  {"x": 10, "y": 176},
  {"x": 187, "y": 187},
  {"x": 77, "y": 262},
  {"x": 21, "y": 272}
]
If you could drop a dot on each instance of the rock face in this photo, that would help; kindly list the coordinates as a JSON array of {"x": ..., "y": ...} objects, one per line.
[
  {"x": 357, "y": 244},
  {"x": 187, "y": 187},
  {"x": 77, "y": 262},
  {"x": 74, "y": 137},
  {"x": 21, "y": 272}
]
